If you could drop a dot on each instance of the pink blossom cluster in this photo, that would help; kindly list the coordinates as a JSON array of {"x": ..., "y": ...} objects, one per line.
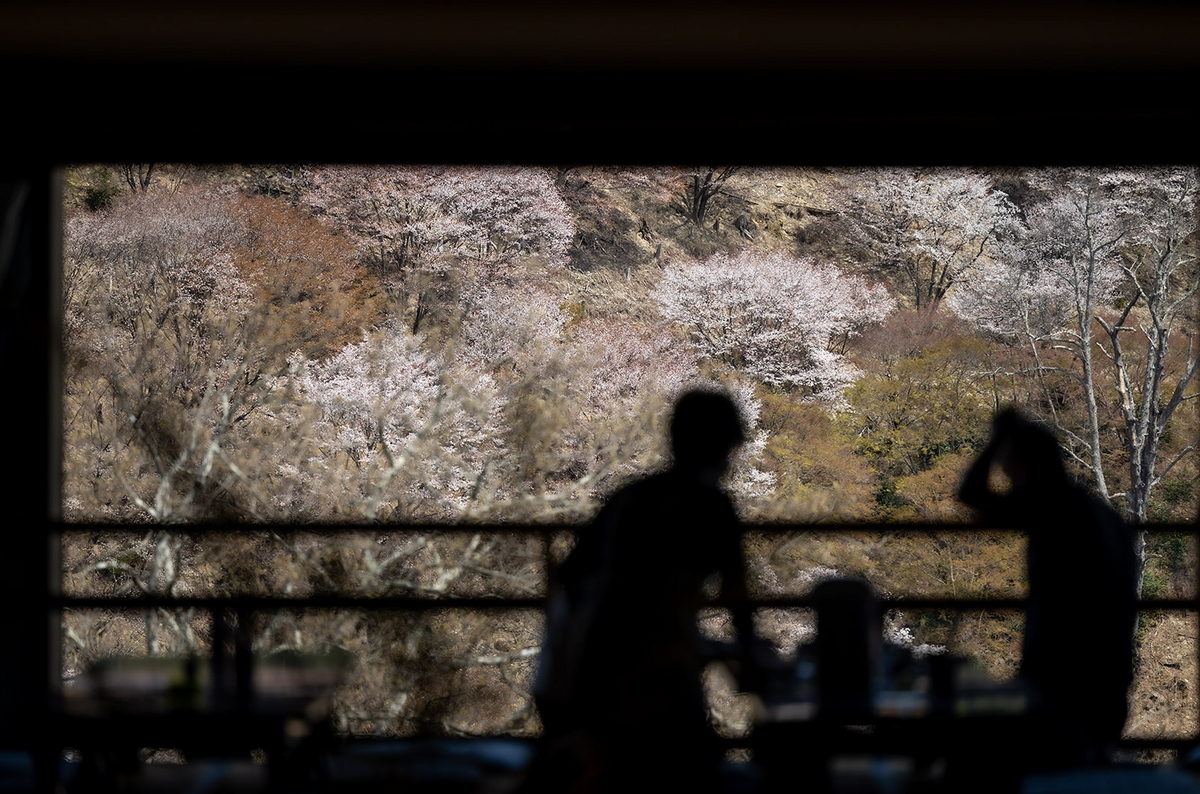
[
  {"x": 397, "y": 412},
  {"x": 618, "y": 363},
  {"x": 510, "y": 328},
  {"x": 434, "y": 218},
  {"x": 775, "y": 317},
  {"x": 935, "y": 227},
  {"x": 160, "y": 271}
]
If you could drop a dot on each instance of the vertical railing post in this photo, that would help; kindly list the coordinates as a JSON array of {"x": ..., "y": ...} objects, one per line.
[{"x": 243, "y": 660}]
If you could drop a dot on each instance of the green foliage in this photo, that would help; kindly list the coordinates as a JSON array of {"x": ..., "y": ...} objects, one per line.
[
  {"x": 932, "y": 495},
  {"x": 817, "y": 473},
  {"x": 1175, "y": 492},
  {"x": 1173, "y": 500},
  {"x": 1154, "y": 581},
  {"x": 101, "y": 192},
  {"x": 1166, "y": 574},
  {"x": 940, "y": 621},
  {"x": 1147, "y": 619},
  {"x": 920, "y": 412},
  {"x": 922, "y": 397},
  {"x": 1174, "y": 549},
  {"x": 886, "y": 496}
]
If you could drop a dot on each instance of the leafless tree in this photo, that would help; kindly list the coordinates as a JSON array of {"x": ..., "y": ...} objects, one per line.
[
  {"x": 1103, "y": 295},
  {"x": 138, "y": 175},
  {"x": 701, "y": 186}
]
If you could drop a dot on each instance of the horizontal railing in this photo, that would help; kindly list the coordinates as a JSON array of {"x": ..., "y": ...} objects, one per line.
[{"x": 243, "y": 604}]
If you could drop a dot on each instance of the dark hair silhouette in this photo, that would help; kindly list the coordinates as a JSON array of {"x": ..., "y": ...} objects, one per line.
[
  {"x": 705, "y": 427},
  {"x": 1029, "y": 453}
]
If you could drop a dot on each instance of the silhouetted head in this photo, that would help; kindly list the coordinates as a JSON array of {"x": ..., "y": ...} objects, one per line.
[
  {"x": 1030, "y": 454},
  {"x": 705, "y": 428}
]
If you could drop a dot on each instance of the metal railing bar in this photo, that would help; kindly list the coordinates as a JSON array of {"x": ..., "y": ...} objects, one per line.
[
  {"x": 773, "y": 528},
  {"x": 728, "y": 742},
  {"x": 1182, "y": 743},
  {"x": 1186, "y": 604},
  {"x": 273, "y": 603},
  {"x": 270, "y": 603}
]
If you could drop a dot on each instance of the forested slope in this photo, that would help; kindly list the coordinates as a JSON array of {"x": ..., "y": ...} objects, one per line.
[{"x": 293, "y": 344}]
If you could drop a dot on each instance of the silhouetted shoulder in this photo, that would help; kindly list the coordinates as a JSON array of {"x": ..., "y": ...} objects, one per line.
[{"x": 663, "y": 527}]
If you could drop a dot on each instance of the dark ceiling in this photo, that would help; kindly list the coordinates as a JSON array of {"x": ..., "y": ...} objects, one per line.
[{"x": 650, "y": 82}]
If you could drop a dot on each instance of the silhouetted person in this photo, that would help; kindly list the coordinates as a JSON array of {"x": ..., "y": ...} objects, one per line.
[
  {"x": 1081, "y": 611},
  {"x": 622, "y": 684}
]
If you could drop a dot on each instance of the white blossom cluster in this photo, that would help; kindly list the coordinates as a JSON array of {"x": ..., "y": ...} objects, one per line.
[
  {"x": 779, "y": 319},
  {"x": 439, "y": 217},
  {"x": 935, "y": 228}
]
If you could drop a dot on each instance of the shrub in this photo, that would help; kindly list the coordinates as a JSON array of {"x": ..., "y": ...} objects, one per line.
[{"x": 100, "y": 193}]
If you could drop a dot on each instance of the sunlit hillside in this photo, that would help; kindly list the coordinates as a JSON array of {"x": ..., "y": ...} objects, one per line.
[{"x": 391, "y": 345}]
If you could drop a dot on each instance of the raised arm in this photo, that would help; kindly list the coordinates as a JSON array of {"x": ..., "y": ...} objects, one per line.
[{"x": 975, "y": 490}]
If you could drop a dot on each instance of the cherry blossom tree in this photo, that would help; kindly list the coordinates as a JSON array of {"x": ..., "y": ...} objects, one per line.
[
  {"x": 1051, "y": 290},
  {"x": 416, "y": 433},
  {"x": 506, "y": 213},
  {"x": 933, "y": 229},
  {"x": 417, "y": 225},
  {"x": 158, "y": 318},
  {"x": 624, "y": 378},
  {"x": 782, "y": 320},
  {"x": 503, "y": 328},
  {"x": 167, "y": 359},
  {"x": 182, "y": 308},
  {"x": 1162, "y": 286},
  {"x": 398, "y": 431},
  {"x": 750, "y": 483},
  {"x": 183, "y": 408}
]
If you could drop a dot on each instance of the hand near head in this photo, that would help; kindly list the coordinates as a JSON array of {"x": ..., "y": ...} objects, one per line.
[
  {"x": 1008, "y": 431},
  {"x": 1027, "y": 454}
]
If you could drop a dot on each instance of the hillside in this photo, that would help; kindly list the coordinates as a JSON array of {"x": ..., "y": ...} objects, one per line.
[{"x": 319, "y": 343}]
